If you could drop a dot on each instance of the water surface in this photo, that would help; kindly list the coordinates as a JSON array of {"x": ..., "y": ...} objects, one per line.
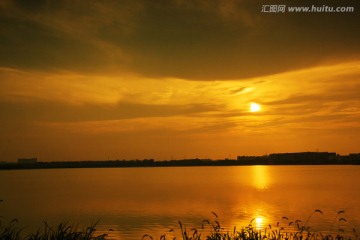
[{"x": 138, "y": 201}]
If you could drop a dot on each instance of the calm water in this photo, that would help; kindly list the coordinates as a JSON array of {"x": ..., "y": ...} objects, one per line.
[{"x": 138, "y": 201}]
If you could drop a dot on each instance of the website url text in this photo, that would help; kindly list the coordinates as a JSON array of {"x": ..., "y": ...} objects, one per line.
[{"x": 308, "y": 9}]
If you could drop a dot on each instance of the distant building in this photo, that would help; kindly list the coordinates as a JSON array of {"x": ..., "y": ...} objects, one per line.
[
  {"x": 27, "y": 160},
  {"x": 354, "y": 156},
  {"x": 303, "y": 158}
]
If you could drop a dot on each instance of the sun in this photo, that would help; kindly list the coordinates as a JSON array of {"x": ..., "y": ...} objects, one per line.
[{"x": 254, "y": 107}]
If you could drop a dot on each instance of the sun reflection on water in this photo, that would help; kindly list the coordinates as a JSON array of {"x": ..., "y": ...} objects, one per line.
[
  {"x": 259, "y": 222},
  {"x": 260, "y": 177}
]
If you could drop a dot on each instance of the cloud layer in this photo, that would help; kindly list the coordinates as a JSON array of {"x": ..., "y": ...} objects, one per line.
[
  {"x": 183, "y": 39},
  {"x": 140, "y": 79}
]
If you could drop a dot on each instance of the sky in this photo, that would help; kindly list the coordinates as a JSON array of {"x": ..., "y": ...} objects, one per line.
[{"x": 176, "y": 79}]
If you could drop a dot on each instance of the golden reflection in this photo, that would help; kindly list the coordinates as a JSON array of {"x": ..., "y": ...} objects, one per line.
[
  {"x": 259, "y": 221},
  {"x": 260, "y": 177},
  {"x": 256, "y": 218}
]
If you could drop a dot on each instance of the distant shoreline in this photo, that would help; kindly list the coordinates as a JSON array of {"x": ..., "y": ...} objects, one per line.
[{"x": 303, "y": 158}]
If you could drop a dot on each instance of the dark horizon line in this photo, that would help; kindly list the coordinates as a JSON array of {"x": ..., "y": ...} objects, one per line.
[
  {"x": 295, "y": 158},
  {"x": 197, "y": 158}
]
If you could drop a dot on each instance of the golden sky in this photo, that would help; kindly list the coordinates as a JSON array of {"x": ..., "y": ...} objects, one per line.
[{"x": 92, "y": 80}]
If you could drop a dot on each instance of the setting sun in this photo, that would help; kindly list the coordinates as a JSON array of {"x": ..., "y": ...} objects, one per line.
[{"x": 254, "y": 107}]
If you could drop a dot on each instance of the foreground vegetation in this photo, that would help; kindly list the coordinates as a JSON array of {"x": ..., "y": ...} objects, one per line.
[
  {"x": 290, "y": 231},
  {"x": 287, "y": 230},
  {"x": 62, "y": 232}
]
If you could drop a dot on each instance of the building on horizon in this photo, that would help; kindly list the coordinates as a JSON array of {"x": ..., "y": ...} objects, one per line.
[
  {"x": 292, "y": 158},
  {"x": 354, "y": 156},
  {"x": 303, "y": 158}
]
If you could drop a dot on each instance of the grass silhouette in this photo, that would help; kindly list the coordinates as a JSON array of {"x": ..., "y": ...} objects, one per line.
[
  {"x": 63, "y": 231},
  {"x": 214, "y": 231},
  {"x": 210, "y": 230}
]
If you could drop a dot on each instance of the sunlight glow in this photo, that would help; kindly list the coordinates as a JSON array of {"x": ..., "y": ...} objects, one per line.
[
  {"x": 254, "y": 107},
  {"x": 259, "y": 222},
  {"x": 260, "y": 177}
]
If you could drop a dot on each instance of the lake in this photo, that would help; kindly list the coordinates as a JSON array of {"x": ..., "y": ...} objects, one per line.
[{"x": 137, "y": 201}]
